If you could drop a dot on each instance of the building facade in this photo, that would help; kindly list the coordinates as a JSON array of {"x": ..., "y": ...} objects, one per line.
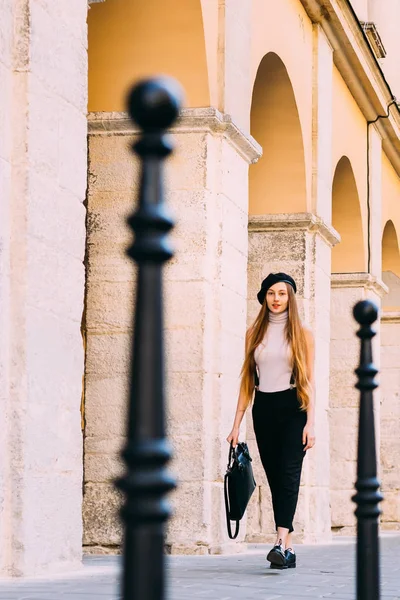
[{"x": 287, "y": 158}]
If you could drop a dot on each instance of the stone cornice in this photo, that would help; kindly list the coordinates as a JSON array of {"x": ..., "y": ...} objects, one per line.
[
  {"x": 198, "y": 120},
  {"x": 359, "y": 280},
  {"x": 390, "y": 316},
  {"x": 359, "y": 68},
  {"x": 295, "y": 221}
]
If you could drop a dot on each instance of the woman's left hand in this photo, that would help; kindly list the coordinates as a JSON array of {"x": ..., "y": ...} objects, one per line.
[{"x": 308, "y": 436}]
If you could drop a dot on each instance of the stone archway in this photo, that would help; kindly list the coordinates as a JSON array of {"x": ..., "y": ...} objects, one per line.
[
  {"x": 390, "y": 250},
  {"x": 277, "y": 182},
  {"x": 349, "y": 255}
]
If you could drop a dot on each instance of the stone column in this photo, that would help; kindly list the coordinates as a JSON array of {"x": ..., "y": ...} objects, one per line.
[
  {"x": 347, "y": 289},
  {"x": 322, "y": 125},
  {"x": 375, "y": 200},
  {"x": 390, "y": 403},
  {"x": 6, "y": 96},
  {"x": 299, "y": 244},
  {"x": 205, "y": 317},
  {"x": 43, "y": 69}
]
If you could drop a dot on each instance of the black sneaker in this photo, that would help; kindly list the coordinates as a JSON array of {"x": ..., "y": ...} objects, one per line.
[
  {"x": 277, "y": 557},
  {"x": 290, "y": 558}
]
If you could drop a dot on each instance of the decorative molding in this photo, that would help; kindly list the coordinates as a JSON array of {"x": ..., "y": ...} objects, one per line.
[
  {"x": 191, "y": 120},
  {"x": 374, "y": 38},
  {"x": 359, "y": 280},
  {"x": 390, "y": 316},
  {"x": 307, "y": 222},
  {"x": 359, "y": 67}
]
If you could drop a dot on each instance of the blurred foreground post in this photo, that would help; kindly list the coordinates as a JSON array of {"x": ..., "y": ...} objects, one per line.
[
  {"x": 153, "y": 105},
  {"x": 367, "y": 497}
]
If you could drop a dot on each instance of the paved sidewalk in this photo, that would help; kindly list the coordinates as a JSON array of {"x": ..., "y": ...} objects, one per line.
[{"x": 323, "y": 572}]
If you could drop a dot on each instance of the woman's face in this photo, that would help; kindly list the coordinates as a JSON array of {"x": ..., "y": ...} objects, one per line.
[{"x": 277, "y": 298}]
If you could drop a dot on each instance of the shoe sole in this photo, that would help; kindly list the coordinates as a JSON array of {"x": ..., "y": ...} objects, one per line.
[
  {"x": 274, "y": 566},
  {"x": 276, "y": 558}
]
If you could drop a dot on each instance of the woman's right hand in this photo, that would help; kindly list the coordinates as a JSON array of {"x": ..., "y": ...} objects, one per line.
[{"x": 233, "y": 437}]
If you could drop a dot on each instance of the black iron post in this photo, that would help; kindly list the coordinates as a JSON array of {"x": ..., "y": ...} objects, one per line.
[
  {"x": 153, "y": 105},
  {"x": 367, "y": 497}
]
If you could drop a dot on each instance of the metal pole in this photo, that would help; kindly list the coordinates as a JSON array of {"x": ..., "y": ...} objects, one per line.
[
  {"x": 153, "y": 105},
  {"x": 367, "y": 497}
]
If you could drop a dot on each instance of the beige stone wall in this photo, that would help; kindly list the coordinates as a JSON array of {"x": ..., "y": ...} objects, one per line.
[
  {"x": 347, "y": 290},
  {"x": 390, "y": 418},
  {"x": 43, "y": 70},
  {"x": 205, "y": 318}
]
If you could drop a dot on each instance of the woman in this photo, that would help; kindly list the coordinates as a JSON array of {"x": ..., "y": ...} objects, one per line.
[{"x": 278, "y": 365}]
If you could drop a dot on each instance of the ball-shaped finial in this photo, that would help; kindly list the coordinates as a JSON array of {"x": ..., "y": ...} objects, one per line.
[
  {"x": 365, "y": 312},
  {"x": 154, "y": 104}
]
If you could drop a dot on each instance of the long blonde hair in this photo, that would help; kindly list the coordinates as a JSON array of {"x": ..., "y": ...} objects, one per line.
[{"x": 297, "y": 344}]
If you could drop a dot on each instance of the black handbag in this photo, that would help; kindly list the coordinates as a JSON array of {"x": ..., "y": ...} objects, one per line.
[{"x": 239, "y": 485}]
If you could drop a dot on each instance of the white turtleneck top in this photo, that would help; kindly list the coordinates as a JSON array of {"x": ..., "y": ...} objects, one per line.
[{"x": 272, "y": 356}]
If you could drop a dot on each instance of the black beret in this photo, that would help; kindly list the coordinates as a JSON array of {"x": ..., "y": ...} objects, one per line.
[{"x": 271, "y": 280}]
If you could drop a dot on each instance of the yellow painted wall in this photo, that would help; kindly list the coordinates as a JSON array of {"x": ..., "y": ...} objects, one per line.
[
  {"x": 350, "y": 139},
  {"x": 210, "y": 11},
  {"x": 349, "y": 255},
  {"x": 131, "y": 39},
  {"x": 390, "y": 195},
  {"x": 390, "y": 234},
  {"x": 295, "y": 49},
  {"x": 277, "y": 181},
  {"x": 390, "y": 250}
]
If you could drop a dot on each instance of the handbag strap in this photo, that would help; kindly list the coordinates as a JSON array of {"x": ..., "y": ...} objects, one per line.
[
  {"x": 257, "y": 379},
  {"x": 228, "y": 522},
  {"x": 231, "y": 455}
]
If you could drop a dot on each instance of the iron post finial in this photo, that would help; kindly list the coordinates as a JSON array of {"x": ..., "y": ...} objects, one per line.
[
  {"x": 155, "y": 103},
  {"x": 365, "y": 312}
]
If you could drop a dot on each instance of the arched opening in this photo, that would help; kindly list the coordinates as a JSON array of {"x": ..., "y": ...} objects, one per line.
[
  {"x": 131, "y": 39},
  {"x": 391, "y": 267},
  {"x": 277, "y": 181},
  {"x": 390, "y": 250},
  {"x": 349, "y": 255}
]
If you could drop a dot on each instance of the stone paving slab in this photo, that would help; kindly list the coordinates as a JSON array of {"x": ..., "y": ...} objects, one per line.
[{"x": 323, "y": 572}]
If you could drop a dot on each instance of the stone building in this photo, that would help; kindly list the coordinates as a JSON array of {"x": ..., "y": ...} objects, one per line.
[{"x": 287, "y": 157}]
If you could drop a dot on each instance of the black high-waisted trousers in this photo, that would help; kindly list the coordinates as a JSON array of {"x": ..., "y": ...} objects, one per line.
[{"x": 278, "y": 425}]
